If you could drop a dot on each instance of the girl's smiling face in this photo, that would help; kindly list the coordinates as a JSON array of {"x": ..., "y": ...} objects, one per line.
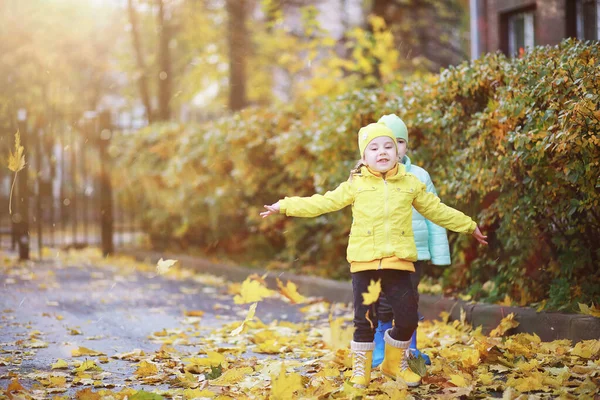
[{"x": 381, "y": 154}]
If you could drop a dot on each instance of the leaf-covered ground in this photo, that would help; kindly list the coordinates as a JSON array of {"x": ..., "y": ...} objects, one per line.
[{"x": 237, "y": 341}]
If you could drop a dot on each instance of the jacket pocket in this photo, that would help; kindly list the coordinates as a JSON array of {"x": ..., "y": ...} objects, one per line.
[{"x": 361, "y": 243}]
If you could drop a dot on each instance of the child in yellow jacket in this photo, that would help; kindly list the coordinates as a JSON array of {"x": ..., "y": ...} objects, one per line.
[{"x": 381, "y": 244}]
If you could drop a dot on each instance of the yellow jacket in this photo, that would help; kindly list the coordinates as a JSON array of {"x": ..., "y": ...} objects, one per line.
[{"x": 381, "y": 235}]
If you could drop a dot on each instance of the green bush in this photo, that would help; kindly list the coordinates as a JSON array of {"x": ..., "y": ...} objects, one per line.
[{"x": 512, "y": 142}]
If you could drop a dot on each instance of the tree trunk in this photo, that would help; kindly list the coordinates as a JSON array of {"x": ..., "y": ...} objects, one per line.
[
  {"x": 141, "y": 65},
  {"x": 164, "y": 61},
  {"x": 237, "y": 38}
]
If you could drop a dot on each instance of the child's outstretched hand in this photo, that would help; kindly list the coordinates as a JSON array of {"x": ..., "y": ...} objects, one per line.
[
  {"x": 272, "y": 209},
  {"x": 479, "y": 236}
]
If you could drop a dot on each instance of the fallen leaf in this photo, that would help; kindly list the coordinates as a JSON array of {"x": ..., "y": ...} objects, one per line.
[
  {"x": 587, "y": 310},
  {"x": 146, "y": 368},
  {"x": 84, "y": 351},
  {"x": 60, "y": 364},
  {"x": 285, "y": 385}
]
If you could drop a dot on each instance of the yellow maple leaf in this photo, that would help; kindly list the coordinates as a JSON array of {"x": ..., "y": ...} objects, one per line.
[
  {"x": 57, "y": 381},
  {"x": 232, "y": 376},
  {"x": 60, "y": 364},
  {"x": 16, "y": 162},
  {"x": 329, "y": 372},
  {"x": 194, "y": 313},
  {"x": 84, "y": 351},
  {"x": 373, "y": 292},
  {"x": 88, "y": 365},
  {"x": 285, "y": 385},
  {"x": 249, "y": 317},
  {"x": 270, "y": 346},
  {"x": 528, "y": 383},
  {"x": 587, "y": 349},
  {"x": 252, "y": 291},
  {"x": 587, "y": 310},
  {"x": 469, "y": 358},
  {"x": 337, "y": 336},
  {"x": 198, "y": 394},
  {"x": 145, "y": 369},
  {"x": 507, "y": 301},
  {"x": 212, "y": 359},
  {"x": 458, "y": 380},
  {"x": 505, "y": 325},
  {"x": 163, "y": 266},
  {"x": 290, "y": 291}
]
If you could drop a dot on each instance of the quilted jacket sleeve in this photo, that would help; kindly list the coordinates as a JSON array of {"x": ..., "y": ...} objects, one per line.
[
  {"x": 318, "y": 204},
  {"x": 430, "y": 206},
  {"x": 438, "y": 237}
]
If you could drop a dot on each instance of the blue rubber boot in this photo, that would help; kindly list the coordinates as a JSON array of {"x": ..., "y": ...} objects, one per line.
[
  {"x": 379, "y": 351},
  {"x": 414, "y": 351}
]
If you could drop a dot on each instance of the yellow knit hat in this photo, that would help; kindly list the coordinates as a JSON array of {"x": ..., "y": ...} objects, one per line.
[{"x": 372, "y": 131}]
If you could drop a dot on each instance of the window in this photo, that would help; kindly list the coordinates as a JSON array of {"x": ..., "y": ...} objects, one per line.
[
  {"x": 587, "y": 19},
  {"x": 520, "y": 32}
]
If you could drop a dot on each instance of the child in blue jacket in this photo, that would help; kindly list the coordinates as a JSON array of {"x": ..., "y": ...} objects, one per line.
[{"x": 431, "y": 241}]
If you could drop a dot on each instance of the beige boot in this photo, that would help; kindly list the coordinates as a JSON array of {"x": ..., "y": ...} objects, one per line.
[
  {"x": 395, "y": 362},
  {"x": 362, "y": 357}
]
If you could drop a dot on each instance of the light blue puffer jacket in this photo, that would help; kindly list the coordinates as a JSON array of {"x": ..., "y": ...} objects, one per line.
[{"x": 431, "y": 239}]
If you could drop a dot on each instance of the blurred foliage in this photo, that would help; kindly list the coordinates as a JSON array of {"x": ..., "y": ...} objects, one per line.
[
  {"x": 52, "y": 59},
  {"x": 512, "y": 142}
]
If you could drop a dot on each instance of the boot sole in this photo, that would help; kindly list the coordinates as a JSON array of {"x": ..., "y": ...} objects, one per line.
[{"x": 409, "y": 384}]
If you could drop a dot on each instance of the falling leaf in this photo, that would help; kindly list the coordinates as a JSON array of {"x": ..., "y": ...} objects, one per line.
[
  {"x": 373, "y": 292},
  {"x": 163, "y": 266},
  {"x": 252, "y": 291},
  {"x": 16, "y": 162},
  {"x": 337, "y": 336},
  {"x": 249, "y": 317},
  {"x": 290, "y": 291},
  {"x": 505, "y": 325},
  {"x": 369, "y": 319},
  {"x": 285, "y": 385}
]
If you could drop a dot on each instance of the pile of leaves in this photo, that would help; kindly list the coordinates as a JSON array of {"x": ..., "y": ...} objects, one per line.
[
  {"x": 514, "y": 143},
  {"x": 250, "y": 358}
]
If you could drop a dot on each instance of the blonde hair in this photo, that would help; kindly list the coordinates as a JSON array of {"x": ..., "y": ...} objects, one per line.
[{"x": 356, "y": 169}]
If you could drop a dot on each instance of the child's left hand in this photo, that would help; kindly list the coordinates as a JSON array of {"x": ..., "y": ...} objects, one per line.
[
  {"x": 479, "y": 236},
  {"x": 272, "y": 209}
]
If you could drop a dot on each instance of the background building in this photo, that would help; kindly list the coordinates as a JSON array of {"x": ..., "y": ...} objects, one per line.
[{"x": 512, "y": 26}]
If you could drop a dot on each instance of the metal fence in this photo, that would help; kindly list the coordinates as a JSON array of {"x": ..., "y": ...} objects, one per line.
[{"x": 64, "y": 197}]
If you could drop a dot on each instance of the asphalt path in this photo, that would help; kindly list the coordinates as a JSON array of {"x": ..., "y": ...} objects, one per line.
[{"x": 48, "y": 309}]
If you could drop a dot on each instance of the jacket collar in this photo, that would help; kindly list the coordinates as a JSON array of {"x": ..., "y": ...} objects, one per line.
[
  {"x": 407, "y": 163},
  {"x": 398, "y": 171}
]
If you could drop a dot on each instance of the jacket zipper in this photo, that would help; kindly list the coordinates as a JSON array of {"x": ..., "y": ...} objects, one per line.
[{"x": 386, "y": 215}]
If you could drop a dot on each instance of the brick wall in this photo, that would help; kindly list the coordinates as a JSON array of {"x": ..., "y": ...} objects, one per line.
[{"x": 550, "y": 21}]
